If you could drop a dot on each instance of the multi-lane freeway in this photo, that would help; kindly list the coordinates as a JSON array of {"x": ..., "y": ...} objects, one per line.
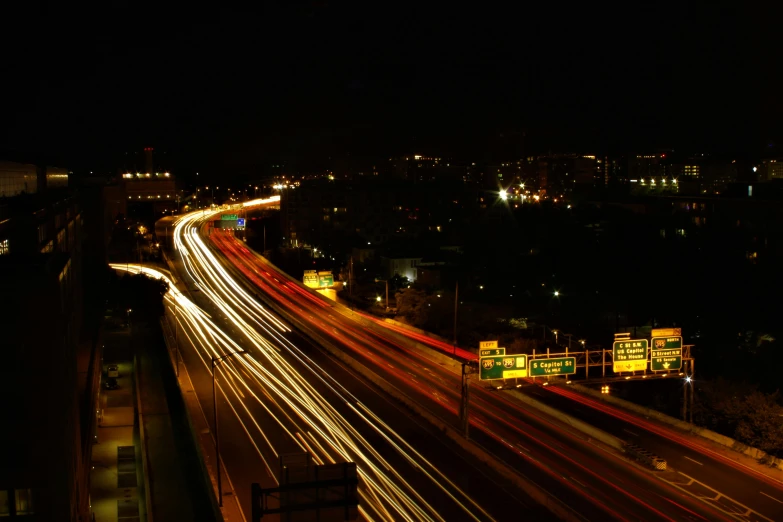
[
  {"x": 595, "y": 483},
  {"x": 286, "y": 396},
  {"x": 289, "y": 395},
  {"x": 739, "y": 490}
]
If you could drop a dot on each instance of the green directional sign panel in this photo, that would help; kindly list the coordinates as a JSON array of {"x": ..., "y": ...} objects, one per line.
[
  {"x": 502, "y": 367},
  {"x": 492, "y": 352},
  {"x": 629, "y": 355},
  {"x": 557, "y": 366},
  {"x": 666, "y": 353},
  {"x": 229, "y": 217},
  {"x": 325, "y": 279}
]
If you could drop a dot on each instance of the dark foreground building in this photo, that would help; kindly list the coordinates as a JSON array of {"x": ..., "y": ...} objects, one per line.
[{"x": 50, "y": 369}]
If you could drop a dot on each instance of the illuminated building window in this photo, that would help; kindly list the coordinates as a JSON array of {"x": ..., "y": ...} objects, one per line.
[
  {"x": 4, "y": 249},
  {"x": 24, "y": 501}
]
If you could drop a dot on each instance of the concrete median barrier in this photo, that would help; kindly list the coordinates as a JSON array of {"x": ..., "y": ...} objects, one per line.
[
  {"x": 774, "y": 463},
  {"x": 588, "y": 429}
]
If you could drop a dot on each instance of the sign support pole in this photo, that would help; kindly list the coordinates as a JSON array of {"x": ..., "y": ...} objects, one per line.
[
  {"x": 587, "y": 364},
  {"x": 685, "y": 399},
  {"x": 464, "y": 420},
  {"x": 534, "y": 356},
  {"x": 693, "y": 390}
]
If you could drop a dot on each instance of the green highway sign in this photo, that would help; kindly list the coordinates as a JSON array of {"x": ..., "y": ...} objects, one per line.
[
  {"x": 492, "y": 352},
  {"x": 325, "y": 279},
  {"x": 666, "y": 353},
  {"x": 229, "y": 217},
  {"x": 557, "y": 366},
  {"x": 502, "y": 367},
  {"x": 629, "y": 355}
]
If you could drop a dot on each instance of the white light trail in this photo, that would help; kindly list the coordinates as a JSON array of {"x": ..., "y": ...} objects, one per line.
[{"x": 288, "y": 396}]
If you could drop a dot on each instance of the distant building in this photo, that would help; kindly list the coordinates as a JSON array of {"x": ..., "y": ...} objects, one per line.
[
  {"x": 612, "y": 172},
  {"x": 403, "y": 266},
  {"x": 23, "y": 178},
  {"x": 371, "y": 212},
  {"x": 771, "y": 169},
  {"x": 748, "y": 219},
  {"x": 564, "y": 174},
  {"x": 648, "y": 166},
  {"x": 419, "y": 169}
]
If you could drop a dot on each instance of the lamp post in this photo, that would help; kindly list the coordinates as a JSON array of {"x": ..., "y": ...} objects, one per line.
[
  {"x": 215, "y": 362},
  {"x": 456, "y": 301},
  {"x": 387, "y": 291},
  {"x": 176, "y": 339}
]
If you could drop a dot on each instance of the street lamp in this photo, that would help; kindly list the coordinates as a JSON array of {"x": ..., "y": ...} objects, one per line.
[
  {"x": 387, "y": 291},
  {"x": 215, "y": 362},
  {"x": 555, "y": 332},
  {"x": 557, "y": 294}
]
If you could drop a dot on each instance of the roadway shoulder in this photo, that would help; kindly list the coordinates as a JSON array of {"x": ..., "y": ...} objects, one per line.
[{"x": 752, "y": 457}]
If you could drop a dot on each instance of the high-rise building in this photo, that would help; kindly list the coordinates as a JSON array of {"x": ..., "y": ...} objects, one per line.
[
  {"x": 418, "y": 169},
  {"x": 648, "y": 166},
  {"x": 51, "y": 363},
  {"x": 563, "y": 174},
  {"x": 771, "y": 169}
]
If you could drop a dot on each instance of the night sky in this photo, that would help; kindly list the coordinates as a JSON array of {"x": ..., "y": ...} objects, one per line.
[{"x": 220, "y": 90}]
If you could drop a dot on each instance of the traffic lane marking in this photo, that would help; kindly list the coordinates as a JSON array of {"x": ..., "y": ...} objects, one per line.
[
  {"x": 773, "y": 498},
  {"x": 716, "y": 499},
  {"x": 632, "y": 433},
  {"x": 572, "y": 478},
  {"x": 696, "y": 461}
]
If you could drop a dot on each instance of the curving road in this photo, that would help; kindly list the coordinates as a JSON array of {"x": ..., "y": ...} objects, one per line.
[{"x": 595, "y": 483}]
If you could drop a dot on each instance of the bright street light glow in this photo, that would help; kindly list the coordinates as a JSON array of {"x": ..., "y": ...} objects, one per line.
[
  {"x": 557, "y": 294},
  {"x": 503, "y": 195}
]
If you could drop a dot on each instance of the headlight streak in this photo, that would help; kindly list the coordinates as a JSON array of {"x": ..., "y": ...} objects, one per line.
[
  {"x": 438, "y": 384},
  {"x": 340, "y": 438},
  {"x": 388, "y": 497}
]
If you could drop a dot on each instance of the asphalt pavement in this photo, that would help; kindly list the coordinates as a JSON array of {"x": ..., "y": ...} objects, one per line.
[
  {"x": 593, "y": 482},
  {"x": 733, "y": 487}
]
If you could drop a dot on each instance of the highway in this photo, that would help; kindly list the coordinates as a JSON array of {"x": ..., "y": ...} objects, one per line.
[
  {"x": 288, "y": 396},
  {"x": 728, "y": 485},
  {"x": 595, "y": 483}
]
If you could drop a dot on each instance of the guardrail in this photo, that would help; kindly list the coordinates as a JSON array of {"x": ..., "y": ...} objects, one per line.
[{"x": 644, "y": 456}]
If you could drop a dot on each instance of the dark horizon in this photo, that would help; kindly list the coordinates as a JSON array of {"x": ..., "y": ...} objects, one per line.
[{"x": 233, "y": 91}]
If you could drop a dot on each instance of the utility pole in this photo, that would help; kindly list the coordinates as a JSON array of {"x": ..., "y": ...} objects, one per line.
[
  {"x": 456, "y": 302},
  {"x": 387, "y": 295},
  {"x": 215, "y": 362}
]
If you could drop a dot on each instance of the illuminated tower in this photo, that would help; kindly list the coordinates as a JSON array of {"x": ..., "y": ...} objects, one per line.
[{"x": 148, "y": 160}]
